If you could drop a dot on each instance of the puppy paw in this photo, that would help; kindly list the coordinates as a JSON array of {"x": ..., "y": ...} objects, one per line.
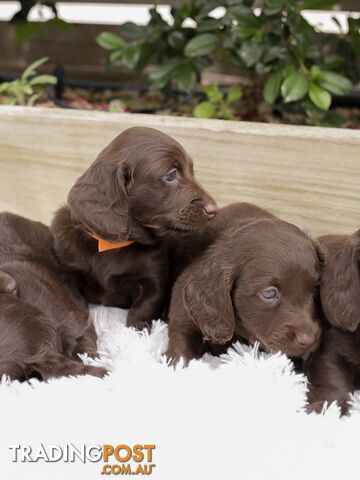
[
  {"x": 319, "y": 405},
  {"x": 316, "y": 407},
  {"x": 138, "y": 324},
  {"x": 218, "y": 334},
  {"x": 96, "y": 371}
]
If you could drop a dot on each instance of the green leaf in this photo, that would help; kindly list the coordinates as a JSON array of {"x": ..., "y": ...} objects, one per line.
[
  {"x": 333, "y": 119},
  {"x": 59, "y": 24},
  {"x": 275, "y": 53},
  {"x": 147, "y": 53},
  {"x": 272, "y": 87},
  {"x": 4, "y": 86},
  {"x": 32, "y": 100},
  {"x": 110, "y": 41},
  {"x": 274, "y": 3},
  {"x": 25, "y": 31},
  {"x": 43, "y": 80},
  {"x": 115, "y": 55},
  {"x": 294, "y": 87},
  {"x": 271, "y": 11},
  {"x": 27, "y": 90},
  {"x": 251, "y": 53},
  {"x": 163, "y": 71},
  {"x": 244, "y": 32},
  {"x": 333, "y": 61},
  {"x": 234, "y": 94},
  {"x": 208, "y": 25},
  {"x": 176, "y": 40},
  {"x": 320, "y": 97},
  {"x": 262, "y": 68},
  {"x": 247, "y": 23},
  {"x": 213, "y": 93},
  {"x": 131, "y": 30},
  {"x": 205, "y": 110},
  {"x": 202, "y": 44},
  {"x": 335, "y": 83},
  {"x": 319, "y": 4},
  {"x": 208, "y": 7},
  {"x": 186, "y": 76},
  {"x": 315, "y": 72},
  {"x": 273, "y": 7},
  {"x": 160, "y": 77},
  {"x": 131, "y": 55},
  {"x": 244, "y": 15},
  {"x": 31, "y": 69},
  {"x": 288, "y": 70}
]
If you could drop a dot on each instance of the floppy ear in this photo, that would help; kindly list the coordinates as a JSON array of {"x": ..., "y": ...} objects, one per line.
[
  {"x": 99, "y": 200},
  {"x": 340, "y": 286},
  {"x": 207, "y": 296}
]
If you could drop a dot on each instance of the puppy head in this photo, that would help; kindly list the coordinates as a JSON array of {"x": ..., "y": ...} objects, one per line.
[
  {"x": 260, "y": 282},
  {"x": 141, "y": 185},
  {"x": 340, "y": 282}
]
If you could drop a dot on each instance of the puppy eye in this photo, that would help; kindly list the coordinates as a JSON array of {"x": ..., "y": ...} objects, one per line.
[
  {"x": 172, "y": 175},
  {"x": 270, "y": 294}
]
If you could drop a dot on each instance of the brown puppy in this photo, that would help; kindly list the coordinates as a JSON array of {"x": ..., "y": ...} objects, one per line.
[
  {"x": 43, "y": 325},
  {"x": 334, "y": 369},
  {"x": 141, "y": 188},
  {"x": 257, "y": 281}
]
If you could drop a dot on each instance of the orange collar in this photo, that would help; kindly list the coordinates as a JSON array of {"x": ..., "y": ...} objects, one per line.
[{"x": 104, "y": 245}]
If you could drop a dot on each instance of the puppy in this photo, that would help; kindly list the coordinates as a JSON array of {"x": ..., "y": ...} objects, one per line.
[
  {"x": 113, "y": 234},
  {"x": 43, "y": 325},
  {"x": 333, "y": 370},
  {"x": 257, "y": 281}
]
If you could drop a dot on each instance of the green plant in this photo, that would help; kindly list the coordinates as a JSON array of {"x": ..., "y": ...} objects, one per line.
[
  {"x": 218, "y": 104},
  {"x": 181, "y": 52},
  {"x": 293, "y": 63},
  {"x": 29, "y": 88},
  {"x": 26, "y": 30}
]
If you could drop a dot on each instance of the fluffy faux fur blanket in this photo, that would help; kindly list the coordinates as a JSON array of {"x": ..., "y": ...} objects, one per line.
[{"x": 240, "y": 417}]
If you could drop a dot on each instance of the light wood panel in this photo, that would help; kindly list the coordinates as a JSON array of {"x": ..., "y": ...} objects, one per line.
[{"x": 307, "y": 175}]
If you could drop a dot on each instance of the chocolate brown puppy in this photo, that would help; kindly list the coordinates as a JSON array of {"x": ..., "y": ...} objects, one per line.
[
  {"x": 43, "y": 325},
  {"x": 333, "y": 370},
  {"x": 138, "y": 193},
  {"x": 257, "y": 281}
]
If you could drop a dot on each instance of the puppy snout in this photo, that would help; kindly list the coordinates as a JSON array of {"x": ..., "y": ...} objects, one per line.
[
  {"x": 308, "y": 340},
  {"x": 210, "y": 209},
  {"x": 305, "y": 339}
]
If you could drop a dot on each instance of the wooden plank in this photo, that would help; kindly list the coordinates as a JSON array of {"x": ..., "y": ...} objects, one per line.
[{"x": 307, "y": 175}]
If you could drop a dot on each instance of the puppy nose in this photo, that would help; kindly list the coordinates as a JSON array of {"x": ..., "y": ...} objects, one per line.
[
  {"x": 210, "y": 210},
  {"x": 305, "y": 339}
]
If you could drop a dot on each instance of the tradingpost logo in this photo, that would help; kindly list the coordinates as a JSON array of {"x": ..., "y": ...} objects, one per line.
[{"x": 119, "y": 459}]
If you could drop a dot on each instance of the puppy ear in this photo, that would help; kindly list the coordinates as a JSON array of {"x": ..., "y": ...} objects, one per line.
[
  {"x": 340, "y": 286},
  {"x": 207, "y": 297},
  {"x": 99, "y": 200}
]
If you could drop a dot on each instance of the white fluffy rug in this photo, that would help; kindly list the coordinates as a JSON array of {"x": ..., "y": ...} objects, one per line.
[{"x": 236, "y": 418}]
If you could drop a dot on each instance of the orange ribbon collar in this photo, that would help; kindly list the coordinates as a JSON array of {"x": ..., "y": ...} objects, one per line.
[{"x": 104, "y": 245}]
